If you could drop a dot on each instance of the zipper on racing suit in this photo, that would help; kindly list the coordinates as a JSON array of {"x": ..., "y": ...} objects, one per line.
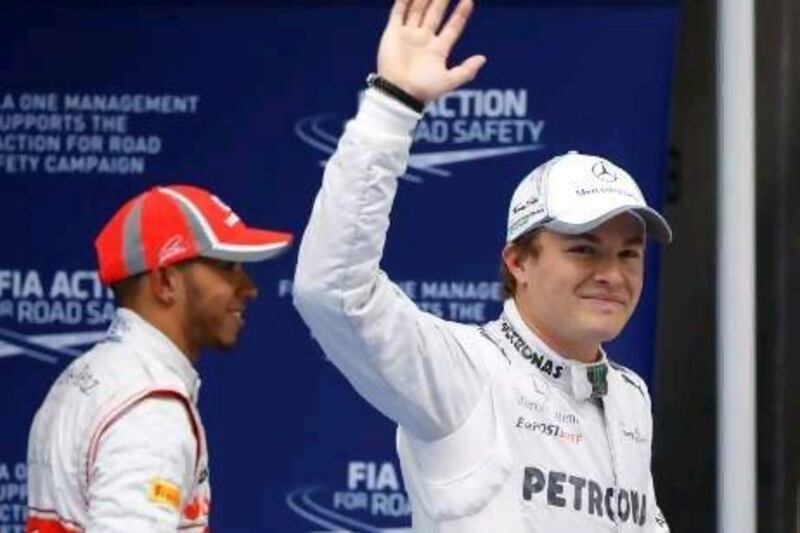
[{"x": 612, "y": 449}]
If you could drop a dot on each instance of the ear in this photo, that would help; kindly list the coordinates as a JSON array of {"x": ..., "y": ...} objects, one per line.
[
  {"x": 165, "y": 285},
  {"x": 514, "y": 259}
]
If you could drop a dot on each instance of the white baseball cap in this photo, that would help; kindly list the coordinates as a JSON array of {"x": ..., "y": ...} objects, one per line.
[{"x": 574, "y": 193}]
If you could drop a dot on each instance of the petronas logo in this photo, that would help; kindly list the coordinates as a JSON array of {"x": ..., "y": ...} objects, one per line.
[{"x": 598, "y": 377}]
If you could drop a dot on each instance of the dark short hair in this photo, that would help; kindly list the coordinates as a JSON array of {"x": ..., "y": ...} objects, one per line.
[
  {"x": 125, "y": 290},
  {"x": 527, "y": 244}
]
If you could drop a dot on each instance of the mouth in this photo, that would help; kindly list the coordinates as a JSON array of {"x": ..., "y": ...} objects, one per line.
[
  {"x": 605, "y": 300},
  {"x": 238, "y": 314}
]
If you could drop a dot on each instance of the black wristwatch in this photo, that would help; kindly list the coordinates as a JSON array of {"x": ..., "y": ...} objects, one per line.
[{"x": 390, "y": 89}]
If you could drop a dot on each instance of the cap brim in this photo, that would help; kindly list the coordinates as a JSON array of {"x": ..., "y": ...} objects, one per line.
[
  {"x": 251, "y": 245},
  {"x": 655, "y": 225}
]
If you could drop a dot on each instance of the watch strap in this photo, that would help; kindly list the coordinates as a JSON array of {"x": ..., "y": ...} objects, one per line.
[{"x": 385, "y": 86}]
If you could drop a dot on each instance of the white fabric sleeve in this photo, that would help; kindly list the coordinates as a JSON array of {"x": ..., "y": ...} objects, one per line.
[
  {"x": 414, "y": 367},
  {"x": 151, "y": 442}
]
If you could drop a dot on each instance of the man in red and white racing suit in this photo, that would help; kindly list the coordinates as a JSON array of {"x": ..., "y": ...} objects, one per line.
[
  {"x": 522, "y": 425},
  {"x": 118, "y": 444}
]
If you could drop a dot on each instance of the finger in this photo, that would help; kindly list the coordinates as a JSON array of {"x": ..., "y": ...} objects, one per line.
[
  {"x": 416, "y": 11},
  {"x": 398, "y": 13},
  {"x": 434, "y": 14},
  {"x": 466, "y": 71},
  {"x": 455, "y": 24}
]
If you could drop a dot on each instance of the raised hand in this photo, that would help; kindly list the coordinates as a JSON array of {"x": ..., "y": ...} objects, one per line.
[{"x": 413, "y": 51}]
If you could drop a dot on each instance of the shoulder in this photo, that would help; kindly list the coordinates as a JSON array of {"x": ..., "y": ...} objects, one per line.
[
  {"x": 95, "y": 376},
  {"x": 475, "y": 341},
  {"x": 630, "y": 381},
  {"x": 121, "y": 366},
  {"x": 487, "y": 345},
  {"x": 107, "y": 380},
  {"x": 111, "y": 355}
]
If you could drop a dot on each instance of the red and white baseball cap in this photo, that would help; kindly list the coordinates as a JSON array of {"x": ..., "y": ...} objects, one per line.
[
  {"x": 166, "y": 225},
  {"x": 575, "y": 193}
]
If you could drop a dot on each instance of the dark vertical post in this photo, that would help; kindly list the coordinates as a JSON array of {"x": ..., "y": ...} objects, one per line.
[
  {"x": 778, "y": 175},
  {"x": 684, "y": 460}
]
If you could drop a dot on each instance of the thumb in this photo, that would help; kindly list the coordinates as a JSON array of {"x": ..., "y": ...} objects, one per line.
[{"x": 466, "y": 71}]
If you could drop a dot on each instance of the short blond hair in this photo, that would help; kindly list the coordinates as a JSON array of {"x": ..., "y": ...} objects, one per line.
[{"x": 526, "y": 244}]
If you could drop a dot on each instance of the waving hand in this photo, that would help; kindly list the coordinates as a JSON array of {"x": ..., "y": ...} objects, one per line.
[{"x": 415, "y": 47}]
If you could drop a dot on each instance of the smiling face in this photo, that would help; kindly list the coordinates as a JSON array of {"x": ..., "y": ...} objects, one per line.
[
  {"x": 216, "y": 295},
  {"x": 578, "y": 291}
]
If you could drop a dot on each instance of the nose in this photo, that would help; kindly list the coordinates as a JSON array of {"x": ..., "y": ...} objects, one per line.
[{"x": 608, "y": 272}]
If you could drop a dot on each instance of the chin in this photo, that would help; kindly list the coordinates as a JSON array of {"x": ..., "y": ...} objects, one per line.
[
  {"x": 229, "y": 336},
  {"x": 604, "y": 331},
  {"x": 225, "y": 345}
]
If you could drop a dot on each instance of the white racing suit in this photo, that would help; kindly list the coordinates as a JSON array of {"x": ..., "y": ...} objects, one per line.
[
  {"x": 497, "y": 433},
  {"x": 118, "y": 445}
]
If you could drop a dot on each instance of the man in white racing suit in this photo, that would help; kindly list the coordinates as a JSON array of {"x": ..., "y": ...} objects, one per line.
[
  {"x": 524, "y": 424},
  {"x": 118, "y": 444}
]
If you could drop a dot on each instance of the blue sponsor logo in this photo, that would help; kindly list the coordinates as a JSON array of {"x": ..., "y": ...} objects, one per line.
[
  {"x": 371, "y": 501},
  {"x": 465, "y": 125},
  {"x": 52, "y": 316}
]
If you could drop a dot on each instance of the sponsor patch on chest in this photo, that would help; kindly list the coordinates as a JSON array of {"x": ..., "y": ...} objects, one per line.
[
  {"x": 166, "y": 493},
  {"x": 581, "y": 494},
  {"x": 543, "y": 363},
  {"x": 548, "y": 429}
]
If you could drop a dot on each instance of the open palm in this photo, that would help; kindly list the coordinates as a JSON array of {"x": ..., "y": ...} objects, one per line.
[{"x": 414, "y": 50}]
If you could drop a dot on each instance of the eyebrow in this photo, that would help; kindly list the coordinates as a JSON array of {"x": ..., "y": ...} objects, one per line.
[{"x": 594, "y": 239}]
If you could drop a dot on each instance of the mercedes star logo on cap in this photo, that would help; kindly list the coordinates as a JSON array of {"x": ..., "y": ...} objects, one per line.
[{"x": 601, "y": 172}]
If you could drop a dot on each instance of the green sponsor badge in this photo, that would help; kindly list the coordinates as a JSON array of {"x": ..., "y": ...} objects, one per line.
[{"x": 598, "y": 377}]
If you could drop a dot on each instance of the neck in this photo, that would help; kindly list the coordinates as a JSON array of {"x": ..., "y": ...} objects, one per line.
[
  {"x": 165, "y": 323},
  {"x": 576, "y": 350}
]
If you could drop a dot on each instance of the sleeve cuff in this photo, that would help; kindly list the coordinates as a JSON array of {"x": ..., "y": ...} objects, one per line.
[{"x": 381, "y": 112}]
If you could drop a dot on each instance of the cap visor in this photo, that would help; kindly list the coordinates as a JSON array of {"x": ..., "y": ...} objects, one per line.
[
  {"x": 251, "y": 245},
  {"x": 655, "y": 225}
]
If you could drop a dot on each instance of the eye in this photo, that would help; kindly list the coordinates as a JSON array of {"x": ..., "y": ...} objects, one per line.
[
  {"x": 631, "y": 253},
  {"x": 228, "y": 266},
  {"x": 582, "y": 249}
]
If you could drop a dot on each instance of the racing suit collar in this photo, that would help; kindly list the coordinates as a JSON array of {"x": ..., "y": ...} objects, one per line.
[
  {"x": 581, "y": 380},
  {"x": 153, "y": 343}
]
